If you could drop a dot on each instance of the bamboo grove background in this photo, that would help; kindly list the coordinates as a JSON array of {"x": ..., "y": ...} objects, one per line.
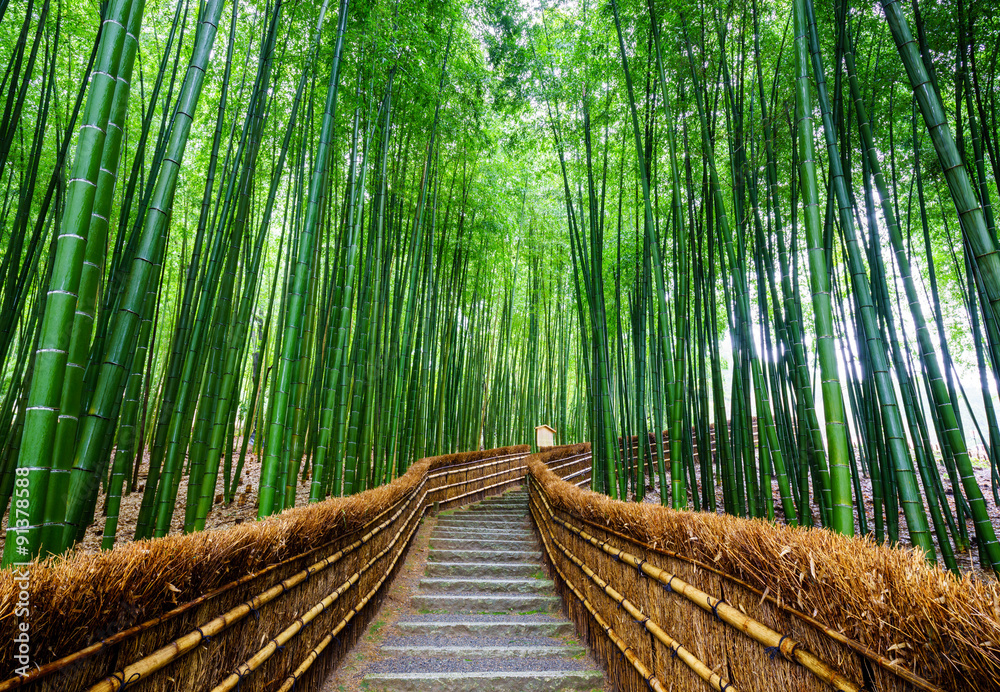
[
  {"x": 261, "y": 230},
  {"x": 798, "y": 199},
  {"x": 335, "y": 239}
]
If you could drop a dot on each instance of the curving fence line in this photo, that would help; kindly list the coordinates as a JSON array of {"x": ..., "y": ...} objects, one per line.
[
  {"x": 693, "y": 601},
  {"x": 667, "y": 600},
  {"x": 270, "y": 605}
]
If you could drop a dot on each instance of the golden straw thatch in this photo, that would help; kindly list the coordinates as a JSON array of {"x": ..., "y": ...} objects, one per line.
[
  {"x": 887, "y": 601},
  {"x": 127, "y": 602}
]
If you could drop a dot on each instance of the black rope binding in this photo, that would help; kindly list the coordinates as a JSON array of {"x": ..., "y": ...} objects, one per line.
[
  {"x": 204, "y": 637},
  {"x": 715, "y": 608},
  {"x": 239, "y": 678},
  {"x": 639, "y": 567},
  {"x": 253, "y": 611},
  {"x": 133, "y": 679},
  {"x": 773, "y": 651},
  {"x": 668, "y": 586}
]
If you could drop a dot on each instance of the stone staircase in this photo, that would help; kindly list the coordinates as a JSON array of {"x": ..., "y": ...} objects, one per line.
[{"x": 484, "y": 617}]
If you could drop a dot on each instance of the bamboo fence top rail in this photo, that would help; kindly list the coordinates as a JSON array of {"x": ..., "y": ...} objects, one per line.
[
  {"x": 907, "y": 618},
  {"x": 193, "y": 569}
]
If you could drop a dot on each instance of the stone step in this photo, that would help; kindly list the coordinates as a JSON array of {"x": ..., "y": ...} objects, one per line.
[
  {"x": 499, "y": 515},
  {"x": 499, "y": 504},
  {"x": 524, "y": 681},
  {"x": 519, "y": 522},
  {"x": 516, "y": 523},
  {"x": 487, "y": 616},
  {"x": 511, "y": 626},
  {"x": 511, "y": 570},
  {"x": 484, "y": 555},
  {"x": 481, "y": 586},
  {"x": 483, "y": 523},
  {"x": 438, "y": 543},
  {"x": 485, "y": 603},
  {"x": 473, "y": 650},
  {"x": 448, "y": 532}
]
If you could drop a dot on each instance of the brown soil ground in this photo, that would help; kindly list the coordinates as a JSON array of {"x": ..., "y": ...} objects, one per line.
[
  {"x": 242, "y": 509},
  {"x": 968, "y": 561}
]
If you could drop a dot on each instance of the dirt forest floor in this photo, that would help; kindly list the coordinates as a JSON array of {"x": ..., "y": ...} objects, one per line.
[
  {"x": 244, "y": 508},
  {"x": 968, "y": 561}
]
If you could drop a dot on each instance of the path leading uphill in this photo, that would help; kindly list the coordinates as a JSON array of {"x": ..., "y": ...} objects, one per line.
[{"x": 481, "y": 616}]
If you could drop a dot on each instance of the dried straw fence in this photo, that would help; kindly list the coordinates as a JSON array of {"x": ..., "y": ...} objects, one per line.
[
  {"x": 262, "y": 606},
  {"x": 692, "y": 601}
]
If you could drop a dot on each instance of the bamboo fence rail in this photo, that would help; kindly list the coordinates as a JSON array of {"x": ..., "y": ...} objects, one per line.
[
  {"x": 174, "y": 613},
  {"x": 692, "y": 595}
]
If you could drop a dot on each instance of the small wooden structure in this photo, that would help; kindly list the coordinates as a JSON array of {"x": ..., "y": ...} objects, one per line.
[{"x": 545, "y": 436}]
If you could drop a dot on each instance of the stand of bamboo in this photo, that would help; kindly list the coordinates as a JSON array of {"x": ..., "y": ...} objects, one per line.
[
  {"x": 715, "y": 602},
  {"x": 287, "y": 596}
]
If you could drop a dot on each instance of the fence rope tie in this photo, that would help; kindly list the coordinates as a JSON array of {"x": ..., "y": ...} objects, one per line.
[
  {"x": 773, "y": 651},
  {"x": 134, "y": 679},
  {"x": 239, "y": 678},
  {"x": 253, "y": 611},
  {"x": 669, "y": 585},
  {"x": 673, "y": 651},
  {"x": 715, "y": 609},
  {"x": 277, "y": 646},
  {"x": 204, "y": 637}
]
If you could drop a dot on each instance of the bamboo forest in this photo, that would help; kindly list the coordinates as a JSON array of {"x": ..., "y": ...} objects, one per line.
[{"x": 261, "y": 253}]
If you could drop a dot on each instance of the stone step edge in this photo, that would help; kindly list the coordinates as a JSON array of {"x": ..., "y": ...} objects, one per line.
[
  {"x": 541, "y": 651},
  {"x": 589, "y": 679}
]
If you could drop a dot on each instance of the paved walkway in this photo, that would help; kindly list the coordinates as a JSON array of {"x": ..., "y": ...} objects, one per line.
[{"x": 482, "y": 617}]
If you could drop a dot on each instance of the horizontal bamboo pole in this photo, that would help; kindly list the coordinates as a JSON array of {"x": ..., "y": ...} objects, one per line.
[
  {"x": 481, "y": 478},
  {"x": 491, "y": 461},
  {"x": 311, "y": 657},
  {"x": 97, "y": 647},
  {"x": 626, "y": 650},
  {"x": 577, "y": 473},
  {"x": 873, "y": 656},
  {"x": 789, "y": 648},
  {"x": 147, "y": 665},
  {"x": 283, "y": 637},
  {"x": 716, "y": 682}
]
